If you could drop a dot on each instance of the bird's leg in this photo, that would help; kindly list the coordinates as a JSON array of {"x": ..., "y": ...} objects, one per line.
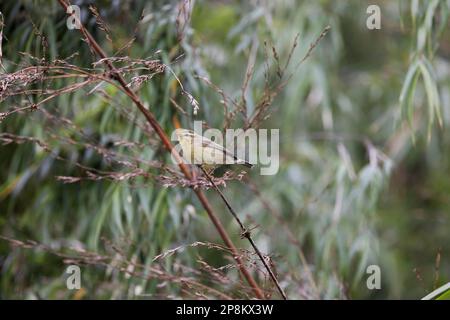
[
  {"x": 194, "y": 175},
  {"x": 208, "y": 168}
]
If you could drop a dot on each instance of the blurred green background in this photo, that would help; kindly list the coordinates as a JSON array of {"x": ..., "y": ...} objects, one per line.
[{"x": 364, "y": 149}]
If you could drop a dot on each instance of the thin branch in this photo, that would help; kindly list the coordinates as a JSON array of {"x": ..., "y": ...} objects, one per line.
[
  {"x": 168, "y": 145},
  {"x": 288, "y": 231},
  {"x": 246, "y": 234}
]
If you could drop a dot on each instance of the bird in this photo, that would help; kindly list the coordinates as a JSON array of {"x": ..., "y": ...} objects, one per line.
[{"x": 202, "y": 151}]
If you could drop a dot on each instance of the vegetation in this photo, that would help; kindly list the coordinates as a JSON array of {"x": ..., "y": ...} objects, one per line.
[{"x": 86, "y": 178}]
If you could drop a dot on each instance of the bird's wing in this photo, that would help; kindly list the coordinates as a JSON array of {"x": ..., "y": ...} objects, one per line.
[
  {"x": 208, "y": 143},
  {"x": 211, "y": 144}
]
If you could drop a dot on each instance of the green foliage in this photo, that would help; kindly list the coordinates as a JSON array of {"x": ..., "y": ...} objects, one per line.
[
  {"x": 352, "y": 190},
  {"x": 442, "y": 293},
  {"x": 426, "y": 46}
]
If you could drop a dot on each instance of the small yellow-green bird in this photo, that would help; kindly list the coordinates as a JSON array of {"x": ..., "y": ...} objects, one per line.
[{"x": 204, "y": 152}]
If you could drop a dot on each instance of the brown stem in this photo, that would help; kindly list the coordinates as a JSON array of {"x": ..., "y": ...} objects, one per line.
[
  {"x": 168, "y": 145},
  {"x": 290, "y": 235},
  {"x": 246, "y": 234}
]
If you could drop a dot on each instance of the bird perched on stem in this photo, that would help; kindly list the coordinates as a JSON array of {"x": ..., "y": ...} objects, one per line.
[{"x": 202, "y": 151}]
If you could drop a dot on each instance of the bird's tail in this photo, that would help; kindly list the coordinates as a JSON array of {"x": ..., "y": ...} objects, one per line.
[
  {"x": 247, "y": 164},
  {"x": 244, "y": 163}
]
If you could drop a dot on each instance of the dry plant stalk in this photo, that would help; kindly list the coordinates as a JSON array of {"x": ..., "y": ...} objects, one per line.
[
  {"x": 246, "y": 233},
  {"x": 61, "y": 69},
  {"x": 116, "y": 259},
  {"x": 169, "y": 147}
]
